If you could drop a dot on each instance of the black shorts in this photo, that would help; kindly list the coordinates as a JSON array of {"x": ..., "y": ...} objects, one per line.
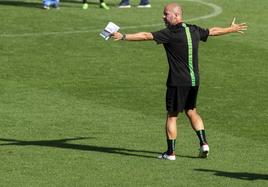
[{"x": 181, "y": 98}]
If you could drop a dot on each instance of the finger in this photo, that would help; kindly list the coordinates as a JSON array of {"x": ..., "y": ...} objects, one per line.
[
  {"x": 241, "y": 32},
  {"x": 243, "y": 27},
  {"x": 233, "y": 22}
]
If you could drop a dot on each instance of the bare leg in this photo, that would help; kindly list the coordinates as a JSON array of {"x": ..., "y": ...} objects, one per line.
[
  {"x": 171, "y": 128},
  {"x": 195, "y": 119},
  {"x": 171, "y": 134},
  {"x": 198, "y": 126}
]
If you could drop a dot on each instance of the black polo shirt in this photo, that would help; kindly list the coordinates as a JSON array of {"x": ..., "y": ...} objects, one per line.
[{"x": 181, "y": 44}]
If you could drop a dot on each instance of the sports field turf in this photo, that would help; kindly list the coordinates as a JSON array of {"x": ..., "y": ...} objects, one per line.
[{"x": 76, "y": 110}]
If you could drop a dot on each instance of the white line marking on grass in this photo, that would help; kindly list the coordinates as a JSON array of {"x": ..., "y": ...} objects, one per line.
[{"x": 216, "y": 11}]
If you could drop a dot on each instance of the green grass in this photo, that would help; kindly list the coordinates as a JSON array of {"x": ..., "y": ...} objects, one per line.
[{"x": 80, "y": 111}]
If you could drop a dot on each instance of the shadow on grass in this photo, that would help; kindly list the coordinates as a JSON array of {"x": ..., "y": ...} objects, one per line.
[
  {"x": 21, "y": 3},
  {"x": 63, "y": 144},
  {"x": 187, "y": 156},
  {"x": 236, "y": 175}
]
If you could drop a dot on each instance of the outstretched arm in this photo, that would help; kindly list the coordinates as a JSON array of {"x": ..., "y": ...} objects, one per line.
[
  {"x": 217, "y": 31},
  {"x": 140, "y": 36}
]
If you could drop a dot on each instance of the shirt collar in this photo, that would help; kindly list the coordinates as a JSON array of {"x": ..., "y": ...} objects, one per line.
[{"x": 175, "y": 27}]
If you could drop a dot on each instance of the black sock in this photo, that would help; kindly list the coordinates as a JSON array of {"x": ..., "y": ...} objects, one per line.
[
  {"x": 202, "y": 137},
  {"x": 171, "y": 146}
]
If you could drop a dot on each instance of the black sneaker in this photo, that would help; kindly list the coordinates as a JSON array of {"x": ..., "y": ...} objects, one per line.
[
  {"x": 124, "y": 4},
  {"x": 144, "y": 4}
]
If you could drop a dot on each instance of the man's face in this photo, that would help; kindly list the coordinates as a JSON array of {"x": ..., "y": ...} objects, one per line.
[{"x": 169, "y": 17}]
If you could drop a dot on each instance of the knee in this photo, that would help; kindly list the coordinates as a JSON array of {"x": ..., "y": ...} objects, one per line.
[
  {"x": 191, "y": 113},
  {"x": 171, "y": 119}
]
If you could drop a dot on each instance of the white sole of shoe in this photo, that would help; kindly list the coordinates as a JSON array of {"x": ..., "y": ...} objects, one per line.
[
  {"x": 128, "y": 6},
  {"x": 144, "y": 6},
  {"x": 203, "y": 154},
  {"x": 204, "y": 151},
  {"x": 167, "y": 157}
]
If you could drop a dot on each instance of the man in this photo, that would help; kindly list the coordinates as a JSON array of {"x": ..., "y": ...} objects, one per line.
[
  {"x": 143, "y": 4},
  {"x": 181, "y": 41},
  {"x": 47, "y": 4}
]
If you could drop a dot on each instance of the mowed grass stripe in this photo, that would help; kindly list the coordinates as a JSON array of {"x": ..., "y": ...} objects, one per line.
[{"x": 91, "y": 113}]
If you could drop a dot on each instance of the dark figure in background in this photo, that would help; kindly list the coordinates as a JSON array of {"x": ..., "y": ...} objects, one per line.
[
  {"x": 126, "y": 4},
  {"x": 102, "y": 5}
]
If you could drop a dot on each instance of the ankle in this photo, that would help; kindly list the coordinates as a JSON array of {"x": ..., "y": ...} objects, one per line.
[{"x": 172, "y": 153}]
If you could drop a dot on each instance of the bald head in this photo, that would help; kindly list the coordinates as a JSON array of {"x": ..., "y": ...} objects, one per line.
[
  {"x": 172, "y": 14},
  {"x": 174, "y": 7}
]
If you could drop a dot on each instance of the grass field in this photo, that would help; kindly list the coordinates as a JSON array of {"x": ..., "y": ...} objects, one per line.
[{"x": 76, "y": 110}]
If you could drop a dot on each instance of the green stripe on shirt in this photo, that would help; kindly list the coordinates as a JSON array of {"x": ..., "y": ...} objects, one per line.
[{"x": 190, "y": 53}]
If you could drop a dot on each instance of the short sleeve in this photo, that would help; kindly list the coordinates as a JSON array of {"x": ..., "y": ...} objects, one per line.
[
  {"x": 162, "y": 36},
  {"x": 204, "y": 33}
]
